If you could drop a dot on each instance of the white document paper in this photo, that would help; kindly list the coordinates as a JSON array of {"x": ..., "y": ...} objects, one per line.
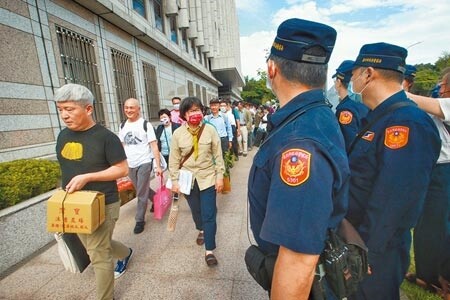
[{"x": 184, "y": 182}]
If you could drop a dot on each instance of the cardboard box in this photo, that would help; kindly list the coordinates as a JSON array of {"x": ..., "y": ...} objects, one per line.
[
  {"x": 127, "y": 196},
  {"x": 78, "y": 212}
]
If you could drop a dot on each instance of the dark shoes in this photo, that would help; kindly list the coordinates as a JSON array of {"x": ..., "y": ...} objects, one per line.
[
  {"x": 211, "y": 260},
  {"x": 200, "y": 239},
  {"x": 139, "y": 227},
  {"x": 152, "y": 209}
]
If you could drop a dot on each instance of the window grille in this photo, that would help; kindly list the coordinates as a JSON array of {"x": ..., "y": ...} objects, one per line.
[
  {"x": 80, "y": 65},
  {"x": 151, "y": 90},
  {"x": 123, "y": 77}
]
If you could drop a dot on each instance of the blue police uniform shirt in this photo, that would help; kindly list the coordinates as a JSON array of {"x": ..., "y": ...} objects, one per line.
[
  {"x": 349, "y": 114},
  {"x": 391, "y": 168},
  {"x": 298, "y": 183}
]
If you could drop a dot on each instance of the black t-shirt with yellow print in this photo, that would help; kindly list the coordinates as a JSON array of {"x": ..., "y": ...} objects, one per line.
[{"x": 93, "y": 150}]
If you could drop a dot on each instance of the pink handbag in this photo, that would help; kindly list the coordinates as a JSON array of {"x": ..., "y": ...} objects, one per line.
[{"x": 161, "y": 200}]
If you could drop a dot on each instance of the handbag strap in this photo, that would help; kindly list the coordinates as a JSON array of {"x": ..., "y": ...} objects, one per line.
[
  {"x": 365, "y": 128},
  {"x": 192, "y": 149}
]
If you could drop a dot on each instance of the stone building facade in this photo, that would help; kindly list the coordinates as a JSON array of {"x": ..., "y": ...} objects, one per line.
[{"x": 152, "y": 50}]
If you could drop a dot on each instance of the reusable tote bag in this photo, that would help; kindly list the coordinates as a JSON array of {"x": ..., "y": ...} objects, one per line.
[
  {"x": 72, "y": 252},
  {"x": 161, "y": 200}
]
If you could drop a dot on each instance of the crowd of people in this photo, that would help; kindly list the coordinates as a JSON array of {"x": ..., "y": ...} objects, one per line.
[{"x": 381, "y": 161}]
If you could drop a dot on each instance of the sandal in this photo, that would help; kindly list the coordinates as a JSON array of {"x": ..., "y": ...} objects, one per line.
[
  {"x": 200, "y": 239},
  {"x": 211, "y": 260}
]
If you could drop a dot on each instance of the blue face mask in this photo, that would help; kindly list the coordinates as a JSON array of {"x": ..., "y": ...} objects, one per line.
[{"x": 352, "y": 95}]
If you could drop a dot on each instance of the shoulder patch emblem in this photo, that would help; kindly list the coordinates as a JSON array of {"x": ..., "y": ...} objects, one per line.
[
  {"x": 345, "y": 117},
  {"x": 396, "y": 137},
  {"x": 295, "y": 166},
  {"x": 368, "y": 136}
]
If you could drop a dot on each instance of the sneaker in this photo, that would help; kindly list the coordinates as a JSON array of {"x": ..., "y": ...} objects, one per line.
[
  {"x": 139, "y": 227},
  {"x": 245, "y": 154},
  {"x": 121, "y": 265}
]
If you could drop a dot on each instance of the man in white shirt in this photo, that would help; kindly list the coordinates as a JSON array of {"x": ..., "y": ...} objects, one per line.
[
  {"x": 433, "y": 228},
  {"x": 138, "y": 138}
]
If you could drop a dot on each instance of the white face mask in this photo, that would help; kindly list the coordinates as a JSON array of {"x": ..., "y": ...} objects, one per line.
[
  {"x": 268, "y": 83},
  {"x": 176, "y": 106},
  {"x": 223, "y": 109},
  {"x": 164, "y": 121}
]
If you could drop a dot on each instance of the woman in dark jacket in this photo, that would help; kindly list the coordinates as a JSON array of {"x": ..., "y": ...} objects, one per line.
[{"x": 164, "y": 133}]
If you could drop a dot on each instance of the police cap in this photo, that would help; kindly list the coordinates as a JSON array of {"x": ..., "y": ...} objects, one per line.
[
  {"x": 382, "y": 56},
  {"x": 296, "y": 36},
  {"x": 344, "y": 71}
]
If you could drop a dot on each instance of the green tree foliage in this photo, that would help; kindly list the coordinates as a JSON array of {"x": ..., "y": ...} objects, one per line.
[
  {"x": 428, "y": 75},
  {"x": 255, "y": 90}
]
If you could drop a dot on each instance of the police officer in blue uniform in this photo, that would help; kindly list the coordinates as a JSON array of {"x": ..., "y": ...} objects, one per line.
[
  {"x": 298, "y": 183},
  {"x": 410, "y": 75},
  {"x": 349, "y": 111},
  {"x": 391, "y": 166}
]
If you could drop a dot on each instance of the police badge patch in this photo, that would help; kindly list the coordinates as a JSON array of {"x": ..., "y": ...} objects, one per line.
[
  {"x": 396, "y": 137},
  {"x": 345, "y": 117},
  {"x": 295, "y": 166}
]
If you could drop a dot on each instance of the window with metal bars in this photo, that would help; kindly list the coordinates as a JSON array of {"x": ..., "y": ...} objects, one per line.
[
  {"x": 151, "y": 90},
  {"x": 123, "y": 78},
  {"x": 80, "y": 66}
]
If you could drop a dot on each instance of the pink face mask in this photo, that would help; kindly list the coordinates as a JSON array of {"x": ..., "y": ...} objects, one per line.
[{"x": 195, "y": 119}]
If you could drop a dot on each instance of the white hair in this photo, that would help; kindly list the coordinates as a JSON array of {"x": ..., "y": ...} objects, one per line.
[{"x": 74, "y": 92}]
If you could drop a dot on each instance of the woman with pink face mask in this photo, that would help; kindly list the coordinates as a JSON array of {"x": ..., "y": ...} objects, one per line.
[{"x": 196, "y": 148}]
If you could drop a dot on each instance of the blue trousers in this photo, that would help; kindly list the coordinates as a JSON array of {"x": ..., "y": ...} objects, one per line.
[
  {"x": 204, "y": 212},
  {"x": 433, "y": 226},
  {"x": 388, "y": 270}
]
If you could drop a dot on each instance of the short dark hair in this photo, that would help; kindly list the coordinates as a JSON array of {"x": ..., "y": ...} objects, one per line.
[
  {"x": 176, "y": 97},
  {"x": 313, "y": 75},
  {"x": 187, "y": 103},
  {"x": 343, "y": 82},
  {"x": 391, "y": 75},
  {"x": 163, "y": 111}
]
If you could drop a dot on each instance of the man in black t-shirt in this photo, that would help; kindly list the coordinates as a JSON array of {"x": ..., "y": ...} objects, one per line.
[{"x": 92, "y": 158}]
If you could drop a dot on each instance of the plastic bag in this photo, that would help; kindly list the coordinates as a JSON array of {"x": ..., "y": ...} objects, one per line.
[
  {"x": 72, "y": 252},
  {"x": 124, "y": 184},
  {"x": 161, "y": 200}
]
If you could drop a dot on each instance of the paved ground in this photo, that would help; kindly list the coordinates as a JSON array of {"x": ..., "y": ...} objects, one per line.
[{"x": 165, "y": 265}]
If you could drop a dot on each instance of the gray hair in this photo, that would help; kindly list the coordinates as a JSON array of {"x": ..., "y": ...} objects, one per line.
[
  {"x": 313, "y": 75},
  {"x": 74, "y": 92}
]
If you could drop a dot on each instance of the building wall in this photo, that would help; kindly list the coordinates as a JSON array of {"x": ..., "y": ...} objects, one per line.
[{"x": 32, "y": 66}]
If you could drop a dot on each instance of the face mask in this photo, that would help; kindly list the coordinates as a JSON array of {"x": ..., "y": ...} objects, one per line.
[
  {"x": 164, "y": 121},
  {"x": 196, "y": 118},
  {"x": 357, "y": 97},
  {"x": 223, "y": 109},
  {"x": 176, "y": 106},
  {"x": 352, "y": 95},
  {"x": 268, "y": 83}
]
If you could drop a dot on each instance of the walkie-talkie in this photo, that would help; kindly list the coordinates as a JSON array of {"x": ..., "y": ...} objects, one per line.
[{"x": 172, "y": 220}]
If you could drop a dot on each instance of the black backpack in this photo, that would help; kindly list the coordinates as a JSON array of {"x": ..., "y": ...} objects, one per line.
[{"x": 145, "y": 125}]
